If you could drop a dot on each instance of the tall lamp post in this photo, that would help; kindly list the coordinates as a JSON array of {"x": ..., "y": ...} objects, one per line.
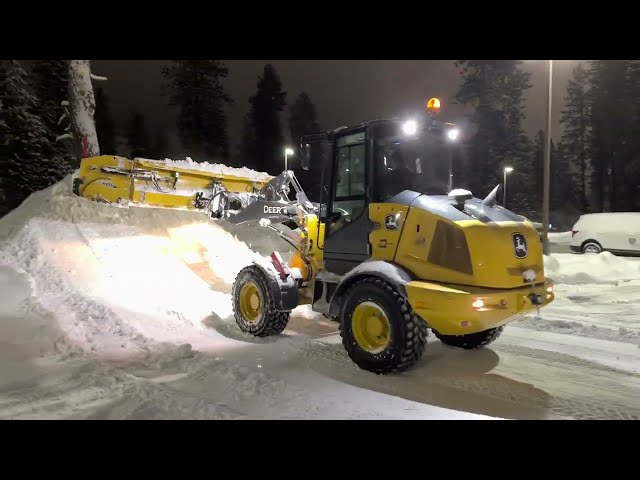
[
  {"x": 287, "y": 151},
  {"x": 504, "y": 186},
  {"x": 547, "y": 168},
  {"x": 452, "y": 135}
]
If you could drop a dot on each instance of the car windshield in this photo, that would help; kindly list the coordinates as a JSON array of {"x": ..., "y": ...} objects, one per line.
[{"x": 410, "y": 163}]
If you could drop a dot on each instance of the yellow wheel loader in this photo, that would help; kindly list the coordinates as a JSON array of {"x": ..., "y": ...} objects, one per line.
[{"x": 387, "y": 251}]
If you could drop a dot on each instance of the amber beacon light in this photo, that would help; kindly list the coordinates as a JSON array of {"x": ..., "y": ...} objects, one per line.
[{"x": 433, "y": 105}]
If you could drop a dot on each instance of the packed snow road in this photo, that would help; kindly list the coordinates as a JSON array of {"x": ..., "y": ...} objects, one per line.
[{"x": 125, "y": 313}]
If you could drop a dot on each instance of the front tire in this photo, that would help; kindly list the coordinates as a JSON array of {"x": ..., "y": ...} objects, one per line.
[
  {"x": 471, "y": 341},
  {"x": 591, "y": 247},
  {"x": 379, "y": 330},
  {"x": 253, "y": 304}
]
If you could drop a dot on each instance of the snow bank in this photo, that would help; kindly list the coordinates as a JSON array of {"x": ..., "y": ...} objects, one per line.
[
  {"x": 590, "y": 268},
  {"x": 560, "y": 238},
  {"x": 217, "y": 168},
  {"x": 103, "y": 269}
]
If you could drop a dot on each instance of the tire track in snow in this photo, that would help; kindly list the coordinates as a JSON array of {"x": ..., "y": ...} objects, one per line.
[{"x": 494, "y": 385}]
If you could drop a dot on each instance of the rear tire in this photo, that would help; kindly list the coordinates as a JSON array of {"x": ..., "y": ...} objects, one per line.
[
  {"x": 398, "y": 339},
  {"x": 253, "y": 304},
  {"x": 471, "y": 341},
  {"x": 591, "y": 246}
]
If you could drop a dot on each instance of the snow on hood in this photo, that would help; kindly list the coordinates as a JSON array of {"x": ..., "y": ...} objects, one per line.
[{"x": 590, "y": 268}]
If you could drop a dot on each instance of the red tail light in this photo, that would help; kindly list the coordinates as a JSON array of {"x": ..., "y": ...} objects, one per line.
[{"x": 573, "y": 233}]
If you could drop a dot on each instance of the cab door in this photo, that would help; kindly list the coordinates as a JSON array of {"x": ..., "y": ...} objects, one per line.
[{"x": 347, "y": 232}]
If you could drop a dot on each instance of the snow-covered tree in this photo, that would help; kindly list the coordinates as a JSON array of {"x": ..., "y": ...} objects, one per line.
[
  {"x": 25, "y": 144},
  {"x": 82, "y": 108},
  {"x": 51, "y": 86},
  {"x": 576, "y": 138},
  {"x": 495, "y": 90}
]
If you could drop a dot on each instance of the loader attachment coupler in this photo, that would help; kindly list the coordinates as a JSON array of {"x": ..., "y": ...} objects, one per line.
[{"x": 273, "y": 203}]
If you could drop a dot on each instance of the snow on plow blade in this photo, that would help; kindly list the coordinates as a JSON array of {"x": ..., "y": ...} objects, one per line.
[{"x": 164, "y": 183}]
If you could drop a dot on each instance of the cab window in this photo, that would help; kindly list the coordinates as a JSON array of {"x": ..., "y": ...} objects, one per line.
[{"x": 349, "y": 200}]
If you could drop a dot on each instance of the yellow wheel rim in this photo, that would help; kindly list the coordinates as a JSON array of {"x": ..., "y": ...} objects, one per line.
[
  {"x": 371, "y": 327},
  {"x": 250, "y": 302}
]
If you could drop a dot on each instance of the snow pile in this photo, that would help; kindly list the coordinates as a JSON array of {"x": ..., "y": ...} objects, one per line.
[
  {"x": 123, "y": 279},
  {"x": 216, "y": 168},
  {"x": 590, "y": 268},
  {"x": 560, "y": 238}
]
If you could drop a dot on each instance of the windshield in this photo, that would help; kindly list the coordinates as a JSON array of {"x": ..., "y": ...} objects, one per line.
[{"x": 404, "y": 163}]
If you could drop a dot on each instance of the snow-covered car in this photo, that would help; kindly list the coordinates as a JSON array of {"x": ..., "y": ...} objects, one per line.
[{"x": 618, "y": 233}]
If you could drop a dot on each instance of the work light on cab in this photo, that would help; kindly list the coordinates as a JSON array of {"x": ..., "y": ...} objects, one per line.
[{"x": 410, "y": 127}]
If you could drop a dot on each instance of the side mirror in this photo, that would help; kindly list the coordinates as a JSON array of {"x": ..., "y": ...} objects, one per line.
[{"x": 305, "y": 156}]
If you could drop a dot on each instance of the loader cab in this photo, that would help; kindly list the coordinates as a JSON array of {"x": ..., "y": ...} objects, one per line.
[{"x": 387, "y": 160}]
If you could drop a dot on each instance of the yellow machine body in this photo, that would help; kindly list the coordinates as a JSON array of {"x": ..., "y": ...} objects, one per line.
[{"x": 470, "y": 280}]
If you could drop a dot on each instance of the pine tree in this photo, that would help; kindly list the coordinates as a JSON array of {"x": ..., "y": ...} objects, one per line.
[
  {"x": 495, "y": 90},
  {"x": 537, "y": 164},
  {"x": 51, "y": 86},
  {"x": 264, "y": 122},
  {"x": 302, "y": 121},
  {"x": 122, "y": 143},
  {"x": 613, "y": 121},
  {"x": 105, "y": 126},
  {"x": 576, "y": 139},
  {"x": 248, "y": 144},
  {"x": 160, "y": 146},
  {"x": 632, "y": 172},
  {"x": 25, "y": 139},
  {"x": 137, "y": 137},
  {"x": 195, "y": 87},
  {"x": 565, "y": 191},
  {"x": 302, "y": 118}
]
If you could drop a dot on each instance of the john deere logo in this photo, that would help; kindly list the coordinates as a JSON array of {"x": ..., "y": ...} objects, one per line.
[
  {"x": 391, "y": 221},
  {"x": 519, "y": 245}
]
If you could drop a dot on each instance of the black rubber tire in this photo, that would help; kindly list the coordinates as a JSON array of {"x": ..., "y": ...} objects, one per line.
[
  {"x": 271, "y": 321},
  {"x": 593, "y": 245},
  {"x": 472, "y": 341},
  {"x": 408, "y": 332}
]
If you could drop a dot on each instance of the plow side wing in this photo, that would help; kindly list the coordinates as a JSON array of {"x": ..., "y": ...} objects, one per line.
[{"x": 120, "y": 181}]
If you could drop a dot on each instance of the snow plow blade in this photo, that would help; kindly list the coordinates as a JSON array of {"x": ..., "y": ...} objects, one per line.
[{"x": 123, "y": 182}]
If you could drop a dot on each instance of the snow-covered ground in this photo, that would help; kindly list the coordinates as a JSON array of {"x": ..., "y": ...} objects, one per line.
[{"x": 125, "y": 313}]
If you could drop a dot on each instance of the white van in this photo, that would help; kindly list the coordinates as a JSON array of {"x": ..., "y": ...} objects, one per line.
[{"x": 617, "y": 232}]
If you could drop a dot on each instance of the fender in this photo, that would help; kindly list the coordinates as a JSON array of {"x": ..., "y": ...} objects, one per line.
[
  {"x": 387, "y": 271},
  {"x": 283, "y": 292}
]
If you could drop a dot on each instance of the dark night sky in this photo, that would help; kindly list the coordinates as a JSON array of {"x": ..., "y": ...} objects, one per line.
[{"x": 345, "y": 92}]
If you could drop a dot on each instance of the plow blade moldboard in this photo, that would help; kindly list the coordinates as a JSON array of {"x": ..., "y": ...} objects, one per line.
[{"x": 121, "y": 181}]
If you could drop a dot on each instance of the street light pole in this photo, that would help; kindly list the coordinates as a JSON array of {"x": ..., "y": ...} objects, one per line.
[
  {"x": 452, "y": 135},
  {"x": 287, "y": 151},
  {"x": 504, "y": 186},
  {"x": 547, "y": 168},
  {"x": 450, "y": 168}
]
